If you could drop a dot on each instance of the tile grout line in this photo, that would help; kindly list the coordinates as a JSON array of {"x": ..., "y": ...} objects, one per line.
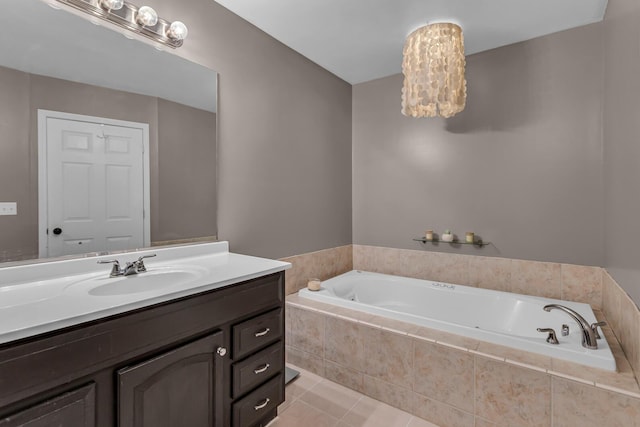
[
  {"x": 551, "y": 409},
  {"x": 475, "y": 388},
  {"x": 350, "y": 409}
]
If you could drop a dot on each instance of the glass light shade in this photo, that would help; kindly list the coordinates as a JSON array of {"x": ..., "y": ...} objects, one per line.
[
  {"x": 146, "y": 16},
  {"x": 112, "y": 4},
  {"x": 433, "y": 67},
  {"x": 177, "y": 31}
]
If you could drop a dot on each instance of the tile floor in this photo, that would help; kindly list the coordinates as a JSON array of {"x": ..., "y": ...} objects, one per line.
[{"x": 312, "y": 401}]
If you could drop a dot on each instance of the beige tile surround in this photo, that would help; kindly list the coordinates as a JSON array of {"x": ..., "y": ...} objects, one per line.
[
  {"x": 451, "y": 380},
  {"x": 545, "y": 279},
  {"x": 322, "y": 265},
  {"x": 509, "y": 387}
]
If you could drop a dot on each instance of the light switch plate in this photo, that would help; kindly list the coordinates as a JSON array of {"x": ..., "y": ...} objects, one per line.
[{"x": 8, "y": 208}]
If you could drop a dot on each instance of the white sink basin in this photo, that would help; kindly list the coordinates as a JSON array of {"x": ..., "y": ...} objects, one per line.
[{"x": 152, "y": 280}]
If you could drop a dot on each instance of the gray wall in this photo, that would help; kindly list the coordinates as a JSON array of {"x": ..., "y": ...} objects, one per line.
[
  {"x": 284, "y": 139},
  {"x": 18, "y": 238},
  {"x": 187, "y": 169},
  {"x": 173, "y": 167},
  {"x": 521, "y": 165},
  {"x": 622, "y": 143}
]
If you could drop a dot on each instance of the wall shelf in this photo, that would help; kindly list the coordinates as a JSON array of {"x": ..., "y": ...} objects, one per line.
[{"x": 478, "y": 242}]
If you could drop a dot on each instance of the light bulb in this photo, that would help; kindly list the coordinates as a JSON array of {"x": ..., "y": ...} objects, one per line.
[
  {"x": 112, "y": 4},
  {"x": 146, "y": 16},
  {"x": 177, "y": 31}
]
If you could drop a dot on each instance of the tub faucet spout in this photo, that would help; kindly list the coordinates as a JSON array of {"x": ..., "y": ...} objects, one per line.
[{"x": 588, "y": 336}]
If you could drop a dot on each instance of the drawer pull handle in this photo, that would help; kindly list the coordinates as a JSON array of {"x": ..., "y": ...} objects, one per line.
[
  {"x": 262, "y": 333},
  {"x": 261, "y": 370},
  {"x": 262, "y": 405}
]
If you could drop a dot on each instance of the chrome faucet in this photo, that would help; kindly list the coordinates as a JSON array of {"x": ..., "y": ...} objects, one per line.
[
  {"x": 134, "y": 267},
  {"x": 588, "y": 331}
]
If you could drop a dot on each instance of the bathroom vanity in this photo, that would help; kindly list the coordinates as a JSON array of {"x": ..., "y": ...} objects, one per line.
[{"x": 208, "y": 353}]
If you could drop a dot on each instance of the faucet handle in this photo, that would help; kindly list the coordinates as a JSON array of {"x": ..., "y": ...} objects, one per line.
[
  {"x": 140, "y": 263},
  {"x": 115, "y": 270},
  {"x": 551, "y": 338},
  {"x": 594, "y": 328}
]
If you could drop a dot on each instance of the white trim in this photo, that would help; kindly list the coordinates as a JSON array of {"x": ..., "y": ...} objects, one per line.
[{"x": 43, "y": 215}]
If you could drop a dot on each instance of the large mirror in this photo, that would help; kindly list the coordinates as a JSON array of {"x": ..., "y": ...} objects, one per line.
[{"x": 106, "y": 143}]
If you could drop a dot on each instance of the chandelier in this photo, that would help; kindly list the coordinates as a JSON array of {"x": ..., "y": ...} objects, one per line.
[{"x": 433, "y": 67}]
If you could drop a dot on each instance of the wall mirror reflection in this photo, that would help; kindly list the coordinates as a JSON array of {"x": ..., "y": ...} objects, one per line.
[{"x": 106, "y": 143}]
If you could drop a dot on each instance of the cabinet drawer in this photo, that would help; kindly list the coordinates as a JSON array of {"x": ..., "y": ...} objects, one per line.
[
  {"x": 259, "y": 403},
  {"x": 74, "y": 408},
  {"x": 257, "y": 368},
  {"x": 254, "y": 333}
]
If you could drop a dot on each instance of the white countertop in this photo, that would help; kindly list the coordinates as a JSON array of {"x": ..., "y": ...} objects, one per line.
[{"x": 43, "y": 297}]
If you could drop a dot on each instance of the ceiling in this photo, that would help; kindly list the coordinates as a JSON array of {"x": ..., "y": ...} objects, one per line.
[{"x": 361, "y": 40}]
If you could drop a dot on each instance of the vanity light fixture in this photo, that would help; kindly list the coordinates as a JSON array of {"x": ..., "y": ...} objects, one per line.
[
  {"x": 112, "y": 4},
  {"x": 140, "y": 20},
  {"x": 433, "y": 67},
  {"x": 146, "y": 16},
  {"x": 177, "y": 31}
]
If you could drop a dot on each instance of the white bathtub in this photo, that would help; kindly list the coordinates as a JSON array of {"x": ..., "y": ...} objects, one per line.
[{"x": 498, "y": 317}]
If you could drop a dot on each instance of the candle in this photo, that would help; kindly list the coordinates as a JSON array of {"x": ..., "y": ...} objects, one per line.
[
  {"x": 469, "y": 237},
  {"x": 314, "y": 284},
  {"x": 428, "y": 234}
]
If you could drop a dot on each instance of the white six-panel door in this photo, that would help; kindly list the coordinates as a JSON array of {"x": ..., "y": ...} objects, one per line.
[{"x": 95, "y": 183}]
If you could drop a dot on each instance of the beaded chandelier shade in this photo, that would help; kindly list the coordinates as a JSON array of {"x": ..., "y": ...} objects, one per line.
[{"x": 433, "y": 68}]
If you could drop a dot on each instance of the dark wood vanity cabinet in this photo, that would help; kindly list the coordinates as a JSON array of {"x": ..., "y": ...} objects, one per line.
[
  {"x": 182, "y": 387},
  {"x": 74, "y": 408},
  {"x": 215, "y": 359}
]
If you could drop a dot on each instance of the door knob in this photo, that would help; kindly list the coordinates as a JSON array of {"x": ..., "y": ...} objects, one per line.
[
  {"x": 221, "y": 351},
  {"x": 57, "y": 231}
]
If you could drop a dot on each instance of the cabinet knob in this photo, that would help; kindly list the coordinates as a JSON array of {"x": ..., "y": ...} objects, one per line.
[{"x": 221, "y": 351}]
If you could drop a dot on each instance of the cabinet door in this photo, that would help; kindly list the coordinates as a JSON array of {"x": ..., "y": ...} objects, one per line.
[
  {"x": 182, "y": 387},
  {"x": 72, "y": 409}
]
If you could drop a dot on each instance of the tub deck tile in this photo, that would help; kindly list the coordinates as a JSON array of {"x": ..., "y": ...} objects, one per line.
[
  {"x": 571, "y": 377},
  {"x": 618, "y": 390},
  {"x": 394, "y": 395},
  {"x": 296, "y": 300},
  {"x": 444, "y": 374},
  {"x": 512, "y": 395},
  {"x": 354, "y": 315},
  {"x": 393, "y": 325},
  {"x": 346, "y": 376},
  {"x": 534, "y": 360},
  {"x": 526, "y": 365},
  {"x": 308, "y": 361},
  {"x": 388, "y": 356},
  {"x": 624, "y": 381},
  {"x": 451, "y": 340},
  {"x": 344, "y": 342},
  {"x": 575, "y": 404},
  {"x": 487, "y": 355}
]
